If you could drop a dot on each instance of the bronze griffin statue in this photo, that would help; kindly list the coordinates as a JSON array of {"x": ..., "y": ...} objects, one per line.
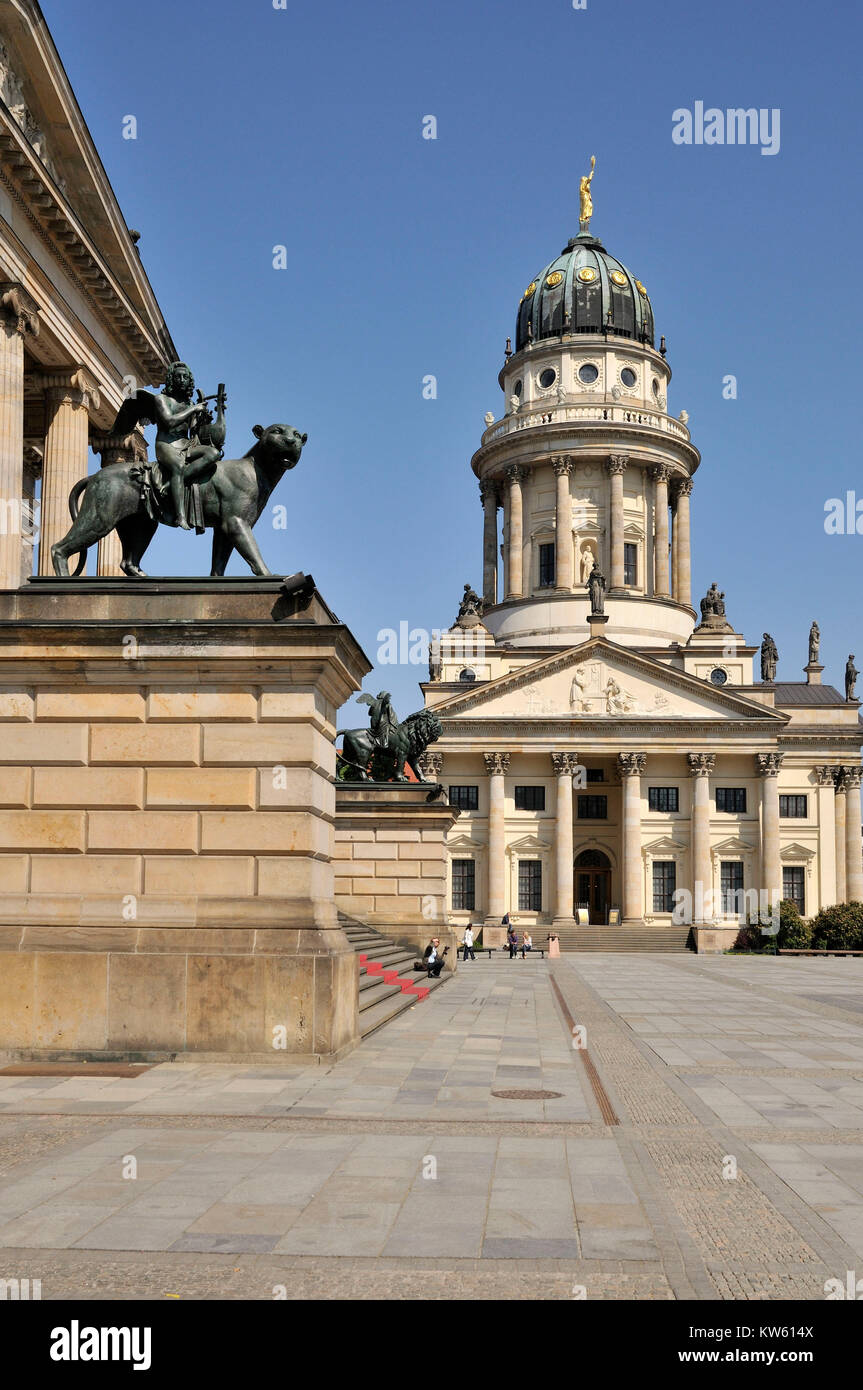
[
  {"x": 190, "y": 484},
  {"x": 379, "y": 753}
]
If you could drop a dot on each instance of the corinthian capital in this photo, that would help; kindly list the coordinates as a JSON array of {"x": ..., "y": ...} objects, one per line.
[
  {"x": 562, "y": 465},
  {"x": 769, "y": 764},
  {"x": 632, "y": 764},
  {"x": 488, "y": 492},
  {"x": 616, "y": 463},
  {"x": 431, "y": 765},
  {"x": 19, "y": 310},
  {"x": 853, "y": 776},
  {"x": 826, "y": 776},
  {"x": 565, "y": 764},
  {"x": 701, "y": 764},
  {"x": 516, "y": 473},
  {"x": 683, "y": 488},
  {"x": 660, "y": 472},
  {"x": 496, "y": 764}
]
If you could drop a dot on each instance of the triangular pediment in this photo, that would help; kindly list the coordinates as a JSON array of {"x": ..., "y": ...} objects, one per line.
[
  {"x": 528, "y": 842},
  {"x": 734, "y": 844},
  {"x": 796, "y": 852},
  {"x": 664, "y": 844},
  {"x": 463, "y": 842},
  {"x": 599, "y": 680}
]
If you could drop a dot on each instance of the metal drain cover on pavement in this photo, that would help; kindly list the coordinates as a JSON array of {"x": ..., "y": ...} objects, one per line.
[{"x": 528, "y": 1095}]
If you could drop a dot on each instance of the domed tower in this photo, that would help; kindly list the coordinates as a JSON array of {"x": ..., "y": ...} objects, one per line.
[{"x": 586, "y": 463}]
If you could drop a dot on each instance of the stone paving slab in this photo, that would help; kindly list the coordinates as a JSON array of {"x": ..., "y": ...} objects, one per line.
[{"x": 397, "y": 1169}]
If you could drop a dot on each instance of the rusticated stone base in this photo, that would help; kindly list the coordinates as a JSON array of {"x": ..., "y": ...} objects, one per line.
[{"x": 167, "y": 821}]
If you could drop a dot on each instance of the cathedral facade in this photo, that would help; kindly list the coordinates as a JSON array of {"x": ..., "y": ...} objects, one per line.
[{"x": 613, "y": 756}]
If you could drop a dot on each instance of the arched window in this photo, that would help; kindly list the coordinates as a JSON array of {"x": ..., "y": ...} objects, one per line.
[
  {"x": 592, "y": 859},
  {"x": 467, "y": 675}
]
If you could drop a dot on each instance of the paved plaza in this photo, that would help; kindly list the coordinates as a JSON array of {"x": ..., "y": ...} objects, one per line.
[{"x": 706, "y": 1143}]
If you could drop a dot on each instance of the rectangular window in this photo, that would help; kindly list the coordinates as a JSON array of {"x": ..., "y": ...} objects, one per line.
[
  {"x": 794, "y": 886},
  {"x": 731, "y": 799},
  {"x": 593, "y": 808},
  {"x": 595, "y": 774},
  {"x": 465, "y": 798},
  {"x": 630, "y": 564},
  {"x": 530, "y": 798},
  {"x": 664, "y": 884},
  {"x": 795, "y": 807},
  {"x": 529, "y": 885},
  {"x": 546, "y": 566},
  {"x": 663, "y": 798},
  {"x": 732, "y": 885},
  {"x": 463, "y": 885}
]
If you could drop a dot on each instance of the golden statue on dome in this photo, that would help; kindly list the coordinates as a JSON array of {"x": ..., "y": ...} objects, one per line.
[{"x": 585, "y": 200}]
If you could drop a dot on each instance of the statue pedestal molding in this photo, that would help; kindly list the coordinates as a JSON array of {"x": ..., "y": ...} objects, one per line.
[
  {"x": 390, "y": 866},
  {"x": 813, "y": 673},
  {"x": 597, "y": 623},
  {"x": 167, "y": 836}
]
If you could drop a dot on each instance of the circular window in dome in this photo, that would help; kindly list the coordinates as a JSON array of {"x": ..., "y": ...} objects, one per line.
[
  {"x": 516, "y": 390},
  {"x": 587, "y": 273},
  {"x": 640, "y": 288},
  {"x": 718, "y": 676},
  {"x": 618, "y": 277},
  {"x": 628, "y": 377},
  {"x": 588, "y": 373},
  {"x": 467, "y": 675},
  {"x": 547, "y": 378},
  {"x": 554, "y": 278},
  {"x": 530, "y": 289}
]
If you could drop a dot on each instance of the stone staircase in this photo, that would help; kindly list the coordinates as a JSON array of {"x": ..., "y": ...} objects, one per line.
[
  {"x": 388, "y": 983},
  {"x": 638, "y": 938}
]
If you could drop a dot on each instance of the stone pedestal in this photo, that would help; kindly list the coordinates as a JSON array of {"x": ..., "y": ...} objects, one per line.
[
  {"x": 390, "y": 869},
  {"x": 167, "y": 821}
]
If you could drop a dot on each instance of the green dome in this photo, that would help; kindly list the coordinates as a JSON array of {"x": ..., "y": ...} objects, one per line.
[{"x": 585, "y": 290}]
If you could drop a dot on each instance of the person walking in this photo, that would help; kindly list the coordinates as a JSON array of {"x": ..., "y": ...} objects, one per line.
[{"x": 468, "y": 944}]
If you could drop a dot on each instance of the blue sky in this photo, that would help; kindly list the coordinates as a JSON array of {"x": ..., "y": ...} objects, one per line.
[{"x": 407, "y": 257}]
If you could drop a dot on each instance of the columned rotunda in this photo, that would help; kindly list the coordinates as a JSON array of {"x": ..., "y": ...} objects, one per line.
[{"x": 603, "y": 761}]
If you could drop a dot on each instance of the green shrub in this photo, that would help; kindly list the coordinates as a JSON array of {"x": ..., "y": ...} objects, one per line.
[
  {"x": 839, "y": 928},
  {"x": 749, "y": 938},
  {"x": 794, "y": 933}
]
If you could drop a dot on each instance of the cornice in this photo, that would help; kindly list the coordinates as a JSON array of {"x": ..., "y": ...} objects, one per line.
[{"x": 48, "y": 212}]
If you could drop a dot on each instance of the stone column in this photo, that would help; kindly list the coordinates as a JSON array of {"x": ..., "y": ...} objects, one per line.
[
  {"x": 19, "y": 317},
  {"x": 771, "y": 864},
  {"x": 827, "y": 847},
  {"x": 660, "y": 475},
  {"x": 632, "y": 767},
  {"x": 113, "y": 448},
  {"x": 684, "y": 559},
  {"x": 497, "y": 766},
  {"x": 515, "y": 583},
  {"x": 615, "y": 466},
  {"x": 853, "y": 841},
  {"x": 564, "y": 764},
  {"x": 67, "y": 400},
  {"x": 701, "y": 765},
  {"x": 841, "y": 800},
  {"x": 490, "y": 502},
  {"x": 563, "y": 525},
  {"x": 674, "y": 540}
]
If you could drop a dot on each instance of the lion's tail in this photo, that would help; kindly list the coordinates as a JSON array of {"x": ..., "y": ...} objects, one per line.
[{"x": 74, "y": 495}]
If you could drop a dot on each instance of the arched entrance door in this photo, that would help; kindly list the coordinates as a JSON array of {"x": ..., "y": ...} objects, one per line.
[{"x": 593, "y": 884}]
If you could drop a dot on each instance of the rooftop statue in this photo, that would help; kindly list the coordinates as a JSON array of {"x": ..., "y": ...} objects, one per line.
[
  {"x": 851, "y": 674},
  {"x": 596, "y": 591},
  {"x": 190, "y": 484},
  {"x": 814, "y": 644},
  {"x": 470, "y": 608},
  {"x": 769, "y": 658},
  {"x": 584, "y": 198},
  {"x": 713, "y": 603},
  {"x": 379, "y": 753}
]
